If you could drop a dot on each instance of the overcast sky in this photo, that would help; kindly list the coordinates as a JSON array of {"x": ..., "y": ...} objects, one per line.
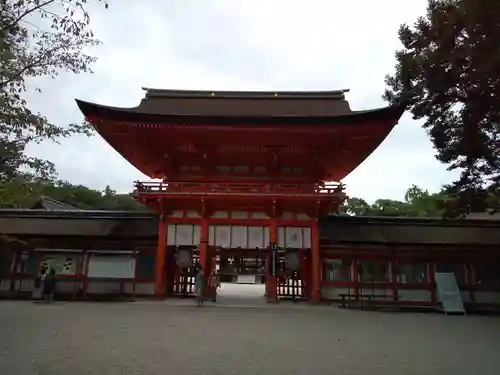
[{"x": 242, "y": 45}]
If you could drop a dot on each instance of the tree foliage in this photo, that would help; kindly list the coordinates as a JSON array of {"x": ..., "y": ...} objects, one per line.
[
  {"x": 448, "y": 73},
  {"x": 417, "y": 203},
  {"x": 19, "y": 194},
  {"x": 37, "y": 38}
]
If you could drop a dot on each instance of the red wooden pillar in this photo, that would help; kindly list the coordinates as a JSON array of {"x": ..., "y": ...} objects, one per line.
[
  {"x": 316, "y": 262},
  {"x": 472, "y": 282},
  {"x": 271, "y": 283},
  {"x": 13, "y": 271},
  {"x": 431, "y": 278},
  {"x": 160, "y": 264},
  {"x": 394, "y": 266},
  {"x": 87, "y": 256},
  {"x": 355, "y": 275},
  {"x": 204, "y": 247}
]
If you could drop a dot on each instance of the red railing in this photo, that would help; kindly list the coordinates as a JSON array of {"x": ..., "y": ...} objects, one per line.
[{"x": 247, "y": 188}]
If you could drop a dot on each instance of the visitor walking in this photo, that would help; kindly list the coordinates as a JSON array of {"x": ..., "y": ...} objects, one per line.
[
  {"x": 214, "y": 285},
  {"x": 49, "y": 286},
  {"x": 199, "y": 285}
]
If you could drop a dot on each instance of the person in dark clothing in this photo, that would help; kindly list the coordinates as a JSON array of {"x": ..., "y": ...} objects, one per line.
[
  {"x": 199, "y": 285},
  {"x": 49, "y": 285}
]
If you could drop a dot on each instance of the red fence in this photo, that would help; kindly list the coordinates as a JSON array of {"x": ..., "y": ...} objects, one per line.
[{"x": 249, "y": 188}]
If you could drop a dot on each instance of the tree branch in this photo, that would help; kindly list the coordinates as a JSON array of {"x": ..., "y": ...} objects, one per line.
[
  {"x": 24, "y": 14},
  {"x": 32, "y": 64}
]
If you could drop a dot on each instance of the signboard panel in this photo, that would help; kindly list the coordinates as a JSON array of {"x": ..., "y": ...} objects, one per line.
[
  {"x": 113, "y": 267},
  {"x": 448, "y": 293},
  {"x": 246, "y": 279},
  {"x": 274, "y": 258}
]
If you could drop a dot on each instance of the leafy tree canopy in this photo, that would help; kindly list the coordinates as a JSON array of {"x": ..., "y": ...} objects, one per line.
[
  {"x": 37, "y": 38},
  {"x": 417, "y": 203},
  {"x": 19, "y": 194},
  {"x": 448, "y": 73}
]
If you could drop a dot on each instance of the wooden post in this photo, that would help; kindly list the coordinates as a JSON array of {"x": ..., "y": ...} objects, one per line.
[
  {"x": 316, "y": 262},
  {"x": 136, "y": 260},
  {"x": 204, "y": 261},
  {"x": 204, "y": 245},
  {"x": 355, "y": 275},
  {"x": 271, "y": 283},
  {"x": 161, "y": 257},
  {"x": 431, "y": 278},
  {"x": 86, "y": 274},
  {"x": 394, "y": 270}
]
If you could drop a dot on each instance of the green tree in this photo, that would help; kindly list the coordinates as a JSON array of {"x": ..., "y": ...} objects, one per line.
[
  {"x": 355, "y": 207},
  {"x": 448, "y": 73},
  {"x": 423, "y": 203},
  {"x": 390, "y": 207},
  {"x": 417, "y": 203},
  {"x": 17, "y": 194},
  {"x": 37, "y": 38}
]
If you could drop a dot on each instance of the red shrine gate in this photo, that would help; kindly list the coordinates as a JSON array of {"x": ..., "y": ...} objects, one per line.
[
  {"x": 241, "y": 171},
  {"x": 236, "y": 241}
]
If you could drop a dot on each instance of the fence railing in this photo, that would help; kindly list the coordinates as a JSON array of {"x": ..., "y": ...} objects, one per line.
[{"x": 248, "y": 188}]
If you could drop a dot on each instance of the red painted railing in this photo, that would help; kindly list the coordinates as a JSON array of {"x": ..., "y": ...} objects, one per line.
[{"x": 247, "y": 188}]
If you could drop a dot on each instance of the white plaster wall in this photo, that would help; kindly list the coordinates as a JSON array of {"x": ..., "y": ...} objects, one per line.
[
  {"x": 333, "y": 292},
  {"x": 376, "y": 291},
  {"x": 103, "y": 287},
  {"x": 487, "y": 297},
  {"x": 25, "y": 285},
  {"x": 4, "y": 285},
  {"x": 143, "y": 288},
  {"x": 69, "y": 286},
  {"x": 465, "y": 296},
  {"x": 419, "y": 295},
  {"x": 259, "y": 215}
]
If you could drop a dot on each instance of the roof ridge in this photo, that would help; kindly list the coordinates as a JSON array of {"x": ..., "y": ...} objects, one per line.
[
  {"x": 247, "y": 94},
  {"x": 59, "y": 203}
]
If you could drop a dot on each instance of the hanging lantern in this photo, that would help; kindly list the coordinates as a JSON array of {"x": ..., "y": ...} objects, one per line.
[
  {"x": 292, "y": 261},
  {"x": 184, "y": 258}
]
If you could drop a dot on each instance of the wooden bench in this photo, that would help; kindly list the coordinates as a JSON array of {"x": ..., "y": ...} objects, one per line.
[{"x": 371, "y": 299}]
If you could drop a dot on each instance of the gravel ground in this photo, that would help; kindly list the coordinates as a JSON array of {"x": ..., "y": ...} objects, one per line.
[{"x": 161, "y": 338}]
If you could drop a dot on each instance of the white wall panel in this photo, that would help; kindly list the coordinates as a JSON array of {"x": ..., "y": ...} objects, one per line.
[
  {"x": 306, "y": 237},
  {"x": 196, "y": 234},
  {"x": 220, "y": 214},
  {"x": 211, "y": 235},
  {"x": 281, "y": 237},
  {"x": 293, "y": 237},
  {"x": 266, "y": 237},
  {"x": 171, "y": 234},
  {"x": 223, "y": 236},
  {"x": 183, "y": 234},
  {"x": 193, "y": 214},
  {"x": 178, "y": 213},
  {"x": 239, "y": 237},
  {"x": 256, "y": 237},
  {"x": 259, "y": 215},
  {"x": 239, "y": 214},
  {"x": 114, "y": 267}
]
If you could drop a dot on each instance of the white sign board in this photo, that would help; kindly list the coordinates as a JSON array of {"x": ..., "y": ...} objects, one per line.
[
  {"x": 112, "y": 267},
  {"x": 246, "y": 279},
  {"x": 448, "y": 293}
]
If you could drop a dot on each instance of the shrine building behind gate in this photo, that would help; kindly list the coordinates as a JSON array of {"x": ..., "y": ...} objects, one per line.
[{"x": 110, "y": 254}]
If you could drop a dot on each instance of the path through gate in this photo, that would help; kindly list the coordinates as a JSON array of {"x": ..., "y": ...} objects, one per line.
[
  {"x": 292, "y": 275},
  {"x": 183, "y": 269}
]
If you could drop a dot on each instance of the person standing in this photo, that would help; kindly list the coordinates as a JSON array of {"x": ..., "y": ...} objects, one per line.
[
  {"x": 199, "y": 285},
  {"x": 49, "y": 285},
  {"x": 214, "y": 285}
]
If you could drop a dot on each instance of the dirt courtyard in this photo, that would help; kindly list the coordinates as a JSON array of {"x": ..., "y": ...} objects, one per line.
[{"x": 162, "y": 338}]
